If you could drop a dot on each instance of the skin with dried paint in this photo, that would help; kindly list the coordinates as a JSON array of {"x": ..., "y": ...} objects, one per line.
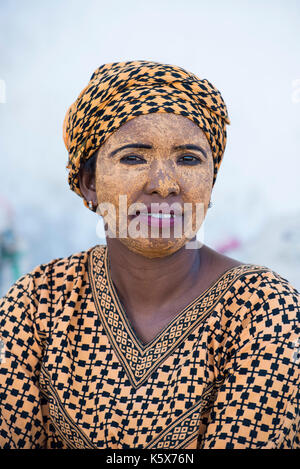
[{"x": 156, "y": 277}]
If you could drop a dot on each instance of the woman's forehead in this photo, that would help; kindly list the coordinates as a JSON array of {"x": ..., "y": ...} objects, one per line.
[{"x": 158, "y": 126}]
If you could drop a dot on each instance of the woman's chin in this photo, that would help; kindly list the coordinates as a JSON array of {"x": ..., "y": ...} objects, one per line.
[{"x": 153, "y": 248}]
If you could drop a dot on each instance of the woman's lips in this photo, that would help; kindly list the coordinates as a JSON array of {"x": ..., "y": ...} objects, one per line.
[{"x": 159, "y": 220}]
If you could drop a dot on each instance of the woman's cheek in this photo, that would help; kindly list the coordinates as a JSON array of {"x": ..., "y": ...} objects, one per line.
[
  {"x": 196, "y": 187},
  {"x": 107, "y": 189},
  {"x": 107, "y": 182},
  {"x": 115, "y": 181}
]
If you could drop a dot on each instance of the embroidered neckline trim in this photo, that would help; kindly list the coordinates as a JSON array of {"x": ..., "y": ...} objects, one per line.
[{"x": 140, "y": 360}]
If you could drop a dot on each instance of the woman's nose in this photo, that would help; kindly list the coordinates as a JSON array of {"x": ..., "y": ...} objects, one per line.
[{"x": 162, "y": 181}]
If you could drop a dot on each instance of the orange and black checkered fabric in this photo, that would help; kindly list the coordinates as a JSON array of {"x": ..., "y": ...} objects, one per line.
[
  {"x": 118, "y": 92},
  {"x": 223, "y": 374}
]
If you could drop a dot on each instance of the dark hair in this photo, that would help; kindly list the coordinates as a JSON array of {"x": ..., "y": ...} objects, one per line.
[{"x": 89, "y": 165}]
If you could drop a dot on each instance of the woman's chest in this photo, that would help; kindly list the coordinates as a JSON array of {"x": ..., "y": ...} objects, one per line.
[{"x": 109, "y": 392}]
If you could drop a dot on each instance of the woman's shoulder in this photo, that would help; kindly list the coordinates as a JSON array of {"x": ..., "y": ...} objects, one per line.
[
  {"x": 256, "y": 307},
  {"x": 38, "y": 296},
  {"x": 254, "y": 276},
  {"x": 53, "y": 274},
  {"x": 260, "y": 284},
  {"x": 255, "y": 293},
  {"x": 260, "y": 302},
  {"x": 60, "y": 265},
  {"x": 260, "y": 280}
]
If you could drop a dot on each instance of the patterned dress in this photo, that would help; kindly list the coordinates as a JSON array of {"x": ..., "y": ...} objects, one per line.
[{"x": 224, "y": 373}]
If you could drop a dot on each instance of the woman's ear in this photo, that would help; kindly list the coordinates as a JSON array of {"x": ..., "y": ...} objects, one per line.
[{"x": 87, "y": 185}]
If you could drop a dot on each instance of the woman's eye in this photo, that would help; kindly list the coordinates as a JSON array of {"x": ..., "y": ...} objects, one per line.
[
  {"x": 189, "y": 160},
  {"x": 132, "y": 159}
]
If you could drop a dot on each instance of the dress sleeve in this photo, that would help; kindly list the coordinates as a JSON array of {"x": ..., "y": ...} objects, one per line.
[
  {"x": 257, "y": 406},
  {"x": 21, "y": 421}
]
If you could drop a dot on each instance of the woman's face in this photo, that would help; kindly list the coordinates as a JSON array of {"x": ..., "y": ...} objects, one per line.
[{"x": 167, "y": 160}]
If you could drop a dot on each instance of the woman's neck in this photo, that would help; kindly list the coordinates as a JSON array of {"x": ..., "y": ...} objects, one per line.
[{"x": 150, "y": 285}]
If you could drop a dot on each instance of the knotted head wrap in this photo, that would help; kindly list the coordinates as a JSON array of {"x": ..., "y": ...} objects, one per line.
[{"x": 118, "y": 92}]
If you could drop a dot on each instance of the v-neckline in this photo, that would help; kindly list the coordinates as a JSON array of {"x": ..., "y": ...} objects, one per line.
[
  {"x": 125, "y": 317},
  {"x": 139, "y": 359}
]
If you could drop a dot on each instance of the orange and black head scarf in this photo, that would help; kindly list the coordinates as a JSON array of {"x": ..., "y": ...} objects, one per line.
[{"x": 118, "y": 92}]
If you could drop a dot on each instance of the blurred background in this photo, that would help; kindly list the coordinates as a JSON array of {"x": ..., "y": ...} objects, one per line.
[{"x": 250, "y": 50}]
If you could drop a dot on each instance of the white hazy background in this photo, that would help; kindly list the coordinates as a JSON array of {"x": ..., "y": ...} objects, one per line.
[{"x": 250, "y": 50}]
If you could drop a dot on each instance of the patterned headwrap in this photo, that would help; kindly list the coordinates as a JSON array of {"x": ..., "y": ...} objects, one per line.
[{"x": 118, "y": 92}]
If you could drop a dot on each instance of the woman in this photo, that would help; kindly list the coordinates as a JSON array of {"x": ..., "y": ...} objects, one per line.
[{"x": 149, "y": 342}]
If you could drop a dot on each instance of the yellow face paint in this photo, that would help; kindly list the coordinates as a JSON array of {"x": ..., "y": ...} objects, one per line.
[
  {"x": 121, "y": 91},
  {"x": 173, "y": 165}
]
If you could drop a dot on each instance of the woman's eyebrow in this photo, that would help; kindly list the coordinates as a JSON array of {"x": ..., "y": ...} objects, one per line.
[
  {"x": 130, "y": 145},
  {"x": 145, "y": 145},
  {"x": 191, "y": 147}
]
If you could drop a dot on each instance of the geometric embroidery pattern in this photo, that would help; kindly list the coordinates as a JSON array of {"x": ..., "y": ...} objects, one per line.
[
  {"x": 141, "y": 360},
  {"x": 223, "y": 374},
  {"x": 63, "y": 424},
  {"x": 186, "y": 428}
]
